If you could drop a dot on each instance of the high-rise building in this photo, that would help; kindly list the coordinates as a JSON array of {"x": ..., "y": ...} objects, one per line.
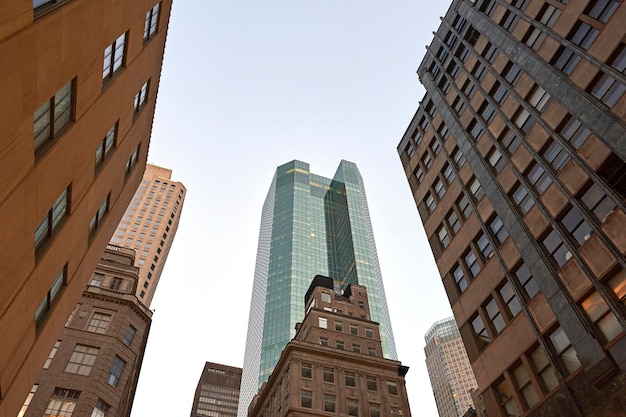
[
  {"x": 93, "y": 368},
  {"x": 79, "y": 81},
  {"x": 449, "y": 369},
  {"x": 149, "y": 226},
  {"x": 516, "y": 160},
  {"x": 217, "y": 393},
  {"x": 310, "y": 225},
  {"x": 334, "y": 364}
]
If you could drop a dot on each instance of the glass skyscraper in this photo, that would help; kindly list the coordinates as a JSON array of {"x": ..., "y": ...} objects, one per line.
[{"x": 310, "y": 225}]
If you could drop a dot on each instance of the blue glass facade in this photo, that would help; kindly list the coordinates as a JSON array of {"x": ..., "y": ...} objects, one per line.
[{"x": 310, "y": 225}]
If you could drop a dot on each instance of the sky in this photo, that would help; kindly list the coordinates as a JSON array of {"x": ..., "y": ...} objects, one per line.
[{"x": 247, "y": 86}]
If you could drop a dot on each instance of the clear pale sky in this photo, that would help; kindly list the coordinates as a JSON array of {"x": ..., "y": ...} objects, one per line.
[{"x": 248, "y": 86}]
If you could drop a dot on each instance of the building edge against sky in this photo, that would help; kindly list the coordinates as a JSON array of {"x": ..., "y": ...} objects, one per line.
[
  {"x": 79, "y": 82},
  {"x": 310, "y": 225},
  {"x": 516, "y": 160}
]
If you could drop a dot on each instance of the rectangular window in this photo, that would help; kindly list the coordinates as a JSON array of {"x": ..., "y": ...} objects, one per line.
[
  {"x": 577, "y": 227},
  {"x": 555, "y": 247},
  {"x": 323, "y": 322},
  {"x": 542, "y": 367},
  {"x": 354, "y": 330},
  {"x": 356, "y": 348},
  {"x": 567, "y": 356},
  {"x": 114, "y": 57},
  {"x": 430, "y": 202},
  {"x": 583, "y": 34},
  {"x": 565, "y": 60},
  {"x": 607, "y": 89},
  {"x": 471, "y": 262},
  {"x": 51, "y": 221},
  {"x": 51, "y": 119},
  {"x": 495, "y": 317},
  {"x": 323, "y": 341},
  {"x": 375, "y": 410},
  {"x": 538, "y": 98},
  {"x": 328, "y": 375},
  {"x": 484, "y": 246},
  {"x": 574, "y": 131},
  {"x": 115, "y": 373},
  {"x": 62, "y": 403},
  {"x": 597, "y": 202},
  {"x": 306, "y": 398},
  {"x": 52, "y": 354},
  {"x": 132, "y": 161},
  {"x": 339, "y": 345},
  {"x": 523, "y": 199},
  {"x": 510, "y": 299},
  {"x": 329, "y": 403},
  {"x": 141, "y": 98},
  {"x": 476, "y": 189},
  {"x": 525, "y": 386},
  {"x": 602, "y": 10},
  {"x": 439, "y": 188},
  {"x": 350, "y": 379},
  {"x": 353, "y": 407},
  {"x": 105, "y": 147},
  {"x": 603, "y": 319},
  {"x": 453, "y": 222},
  {"x": 526, "y": 280},
  {"x": 338, "y": 326},
  {"x": 129, "y": 335},
  {"x": 372, "y": 383},
  {"x": 51, "y": 297},
  {"x": 100, "y": 409},
  {"x": 539, "y": 178},
  {"x": 82, "y": 360},
  {"x": 506, "y": 400},
  {"x": 99, "y": 323},
  {"x": 392, "y": 388},
  {"x": 152, "y": 20},
  {"x": 97, "y": 219}
]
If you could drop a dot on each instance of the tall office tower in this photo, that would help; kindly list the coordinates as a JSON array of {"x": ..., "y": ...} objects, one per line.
[
  {"x": 149, "y": 226},
  {"x": 93, "y": 368},
  {"x": 333, "y": 365},
  {"x": 217, "y": 393},
  {"x": 79, "y": 81},
  {"x": 516, "y": 160},
  {"x": 310, "y": 225},
  {"x": 449, "y": 369}
]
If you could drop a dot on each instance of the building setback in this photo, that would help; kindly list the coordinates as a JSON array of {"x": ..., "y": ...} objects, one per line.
[
  {"x": 79, "y": 84},
  {"x": 310, "y": 225},
  {"x": 94, "y": 366},
  {"x": 449, "y": 369},
  {"x": 334, "y": 364},
  {"x": 217, "y": 394},
  {"x": 516, "y": 160},
  {"x": 149, "y": 226}
]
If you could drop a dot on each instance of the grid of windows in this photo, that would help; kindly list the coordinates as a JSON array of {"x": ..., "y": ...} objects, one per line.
[{"x": 82, "y": 359}]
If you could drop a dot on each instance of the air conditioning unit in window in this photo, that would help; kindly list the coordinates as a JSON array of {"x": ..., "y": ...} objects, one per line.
[{"x": 568, "y": 255}]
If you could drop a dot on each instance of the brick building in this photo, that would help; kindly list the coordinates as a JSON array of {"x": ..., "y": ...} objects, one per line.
[
  {"x": 334, "y": 365},
  {"x": 217, "y": 394},
  {"x": 516, "y": 161}
]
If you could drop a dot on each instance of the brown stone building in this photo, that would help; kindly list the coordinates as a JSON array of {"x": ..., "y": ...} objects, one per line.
[
  {"x": 217, "y": 394},
  {"x": 79, "y": 81},
  {"x": 334, "y": 365},
  {"x": 516, "y": 160},
  {"x": 149, "y": 226},
  {"x": 94, "y": 366}
]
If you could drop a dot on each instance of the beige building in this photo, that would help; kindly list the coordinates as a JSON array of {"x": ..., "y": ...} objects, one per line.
[
  {"x": 149, "y": 226},
  {"x": 94, "y": 366},
  {"x": 516, "y": 158},
  {"x": 449, "y": 369},
  {"x": 334, "y": 365},
  {"x": 79, "y": 80}
]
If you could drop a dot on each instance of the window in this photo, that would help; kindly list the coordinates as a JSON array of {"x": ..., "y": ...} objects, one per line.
[
  {"x": 471, "y": 262},
  {"x": 372, "y": 383},
  {"x": 602, "y": 10},
  {"x": 99, "y": 323},
  {"x": 51, "y": 119},
  {"x": 51, "y": 221},
  {"x": 538, "y": 98},
  {"x": 555, "y": 247},
  {"x": 490, "y": 53},
  {"x": 495, "y": 317},
  {"x": 116, "y": 371},
  {"x": 141, "y": 98},
  {"x": 427, "y": 160},
  {"x": 62, "y": 403},
  {"x": 487, "y": 111},
  {"x": 439, "y": 188},
  {"x": 484, "y": 246},
  {"x": 338, "y": 326},
  {"x": 129, "y": 335},
  {"x": 524, "y": 385},
  {"x": 574, "y": 132},
  {"x": 453, "y": 222},
  {"x": 459, "y": 278},
  {"x": 52, "y": 354},
  {"x": 354, "y": 330},
  {"x": 607, "y": 89},
  {"x": 116, "y": 283},
  {"x": 430, "y": 202},
  {"x": 410, "y": 151},
  {"x": 578, "y": 228},
  {"x": 511, "y": 73},
  {"x": 100, "y": 409},
  {"x": 603, "y": 319},
  {"x": 583, "y": 34},
  {"x": 339, "y": 345},
  {"x": 306, "y": 370},
  {"x": 479, "y": 71},
  {"x": 328, "y": 375},
  {"x": 29, "y": 398},
  {"x": 323, "y": 322},
  {"x": 132, "y": 161},
  {"x": 554, "y": 154},
  {"x": 105, "y": 147},
  {"x": 499, "y": 92},
  {"x": 523, "y": 199},
  {"x": 419, "y": 174},
  {"x": 392, "y": 388},
  {"x": 396, "y": 412},
  {"x": 96, "y": 220},
  {"x": 509, "y": 140},
  {"x": 524, "y": 120},
  {"x": 526, "y": 280},
  {"x": 510, "y": 299},
  {"x": 82, "y": 359},
  {"x": 448, "y": 173},
  {"x": 543, "y": 369},
  {"x": 353, "y": 407},
  {"x": 539, "y": 178},
  {"x": 476, "y": 189},
  {"x": 375, "y": 410},
  {"x": 113, "y": 58},
  {"x": 597, "y": 202},
  {"x": 325, "y": 296},
  {"x": 618, "y": 285},
  {"x": 480, "y": 332},
  {"x": 565, "y": 351},
  {"x": 459, "y": 105},
  {"x": 306, "y": 398},
  {"x": 508, "y": 21},
  {"x": 371, "y": 351},
  {"x": 565, "y": 60},
  {"x": 356, "y": 348},
  {"x": 459, "y": 158},
  {"x": 329, "y": 403},
  {"x": 350, "y": 378},
  {"x": 435, "y": 146},
  {"x": 443, "y": 236},
  {"x": 152, "y": 20},
  {"x": 323, "y": 341},
  {"x": 50, "y": 298},
  {"x": 533, "y": 38}
]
